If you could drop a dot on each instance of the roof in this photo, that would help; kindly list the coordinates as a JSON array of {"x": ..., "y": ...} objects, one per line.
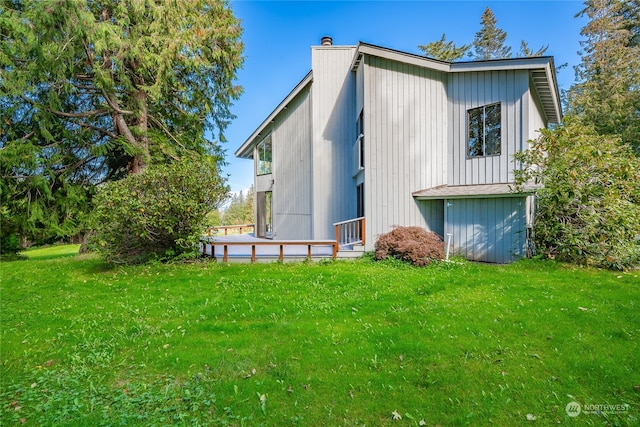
[
  {"x": 542, "y": 72},
  {"x": 472, "y": 191}
]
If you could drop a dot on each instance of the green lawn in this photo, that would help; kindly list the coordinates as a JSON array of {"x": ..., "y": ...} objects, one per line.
[{"x": 338, "y": 343}]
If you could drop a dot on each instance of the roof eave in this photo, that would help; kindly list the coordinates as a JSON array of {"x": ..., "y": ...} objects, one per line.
[
  {"x": 553, "y": 109},
  {"x": 478, "y": 191}
]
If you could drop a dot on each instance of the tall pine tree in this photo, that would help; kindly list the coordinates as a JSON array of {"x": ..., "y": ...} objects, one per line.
[
  {"x": 489, "y": 42},
  {"x": 607, "y": 89},
  {"x": 444, "y": 50}
]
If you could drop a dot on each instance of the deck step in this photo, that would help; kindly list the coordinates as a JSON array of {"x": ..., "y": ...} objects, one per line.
[{"x": 351, "y": 251}]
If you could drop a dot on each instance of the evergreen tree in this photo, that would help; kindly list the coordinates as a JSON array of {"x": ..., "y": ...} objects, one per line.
[
  {"x": 93, "y": 90},
  {"x": 527, "y": 52},
  {"x": 630, "y": 11},
  {"x": 589, "y": 204},
  {"x": 240, "y": 209},
  {"x": 444, "y": 50},
  {"x": 489, "y": 42},
  {"x": 607, "y": 89}
]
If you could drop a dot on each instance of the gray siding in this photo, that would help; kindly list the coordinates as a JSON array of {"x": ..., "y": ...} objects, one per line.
[
  {"x": 291, "y": 138},
  {"x": 474, "y": 89},
  {"x": 405, "y": 132},
  {"x": 536, "y": 116},
  {"x": 489, "y": 230},
  {"x": 333, "y": 112}
]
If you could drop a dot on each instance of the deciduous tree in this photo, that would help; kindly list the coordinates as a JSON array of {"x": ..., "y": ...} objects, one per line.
[{"x": 589, "y": 204}]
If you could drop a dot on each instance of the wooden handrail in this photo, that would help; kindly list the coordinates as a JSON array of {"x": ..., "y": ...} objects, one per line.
[
  {"x": 226, "y": 228},
  {"x": 352, "y": 231},
  {"x": 349, "y": 220},
  {"x": 280, "y": 243}
]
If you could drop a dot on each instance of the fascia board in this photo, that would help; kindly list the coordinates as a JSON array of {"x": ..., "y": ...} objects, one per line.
[
  {"x": 395, "y": 55},
  {"x": 551, "y": 77},
  {"x": 501, "y": 64}
]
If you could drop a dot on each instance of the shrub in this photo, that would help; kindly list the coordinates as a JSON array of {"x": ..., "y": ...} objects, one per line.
[
  {"x": 159, "y": 214},
  {"x": 411, "y": 244},
  {"x": 589, "y": 206}
]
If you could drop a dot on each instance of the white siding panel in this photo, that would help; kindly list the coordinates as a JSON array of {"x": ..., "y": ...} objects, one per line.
[
  {"x": 291, "y": 138},
  {"x": 488, "y": 230},
  {"x": 405, "y": 130},
  {"x": 334, "y": 117},
  {"x": 536, "y": 116}
]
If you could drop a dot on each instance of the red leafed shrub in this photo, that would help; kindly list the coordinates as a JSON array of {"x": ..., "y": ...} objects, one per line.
[{"x": 412, "y": 244}]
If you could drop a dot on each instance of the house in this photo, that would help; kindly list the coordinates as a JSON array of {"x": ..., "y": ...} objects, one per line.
[{"x": 401, "y": 139}]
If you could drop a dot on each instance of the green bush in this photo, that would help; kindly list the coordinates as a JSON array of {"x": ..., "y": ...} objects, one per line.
[
  {"x": 157, "y": 215},
  {"x": 589, "y": 206},
  {"x": 411, "y": 244},
  {"x": 9, "y": 244}
]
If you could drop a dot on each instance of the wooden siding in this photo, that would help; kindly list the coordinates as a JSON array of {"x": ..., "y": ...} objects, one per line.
[
  {"x": 489, "y": 230},
  {"x": 333, "y": 112},
  {"x": 536, "y": 116},
  {"x": 474, "y": 89},
  {"x": 405, "y": 115},
  {"x": 291, "y": 138}
]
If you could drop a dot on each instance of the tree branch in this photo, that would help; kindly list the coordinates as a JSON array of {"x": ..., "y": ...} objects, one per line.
[
  {"x": 97, "y": 129},
  {"x": 162, "y": 126},
  {"x": 70, "y": 115}
]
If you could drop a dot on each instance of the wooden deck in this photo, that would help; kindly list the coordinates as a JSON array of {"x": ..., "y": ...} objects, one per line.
[{"x": 247, "y": 247}]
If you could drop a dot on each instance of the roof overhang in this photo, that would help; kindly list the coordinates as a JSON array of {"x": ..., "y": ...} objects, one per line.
[
  {"x": 473, "y": 191},
  {"x": 541, "y": 70},
  {"x": 246, "y": 149}
]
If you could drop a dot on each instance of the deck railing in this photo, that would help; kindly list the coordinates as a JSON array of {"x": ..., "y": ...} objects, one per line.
[
  {"x": 212, "y": 231},
  {"x": 280, "y": 243},
  {"x": 351, "y": 232}
]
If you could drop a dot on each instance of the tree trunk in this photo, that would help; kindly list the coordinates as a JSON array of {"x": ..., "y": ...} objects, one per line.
[
  {"x": 84, "y": 246},
  {"x": 139, "y": 162}
]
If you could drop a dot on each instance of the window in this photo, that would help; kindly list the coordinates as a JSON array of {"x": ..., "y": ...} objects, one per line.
[
  {"x": 484, "y": 131},
  {"x": 358, "y": 146},
  {"x": 264, "y": 156},
  {"x": 360, "y": 201},
  {"x": 360, "y": 138}
]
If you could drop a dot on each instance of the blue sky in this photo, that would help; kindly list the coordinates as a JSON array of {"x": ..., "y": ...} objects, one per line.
[{"x": 278, "y": 36}]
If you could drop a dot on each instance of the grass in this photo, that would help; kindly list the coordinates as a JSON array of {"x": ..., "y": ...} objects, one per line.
[{"x": 336, "y": 343}]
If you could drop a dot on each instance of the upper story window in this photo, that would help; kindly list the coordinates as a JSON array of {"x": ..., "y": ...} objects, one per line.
[
  {"x": 264, "y": 155},
  {"x": 484, "y": 131}
]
